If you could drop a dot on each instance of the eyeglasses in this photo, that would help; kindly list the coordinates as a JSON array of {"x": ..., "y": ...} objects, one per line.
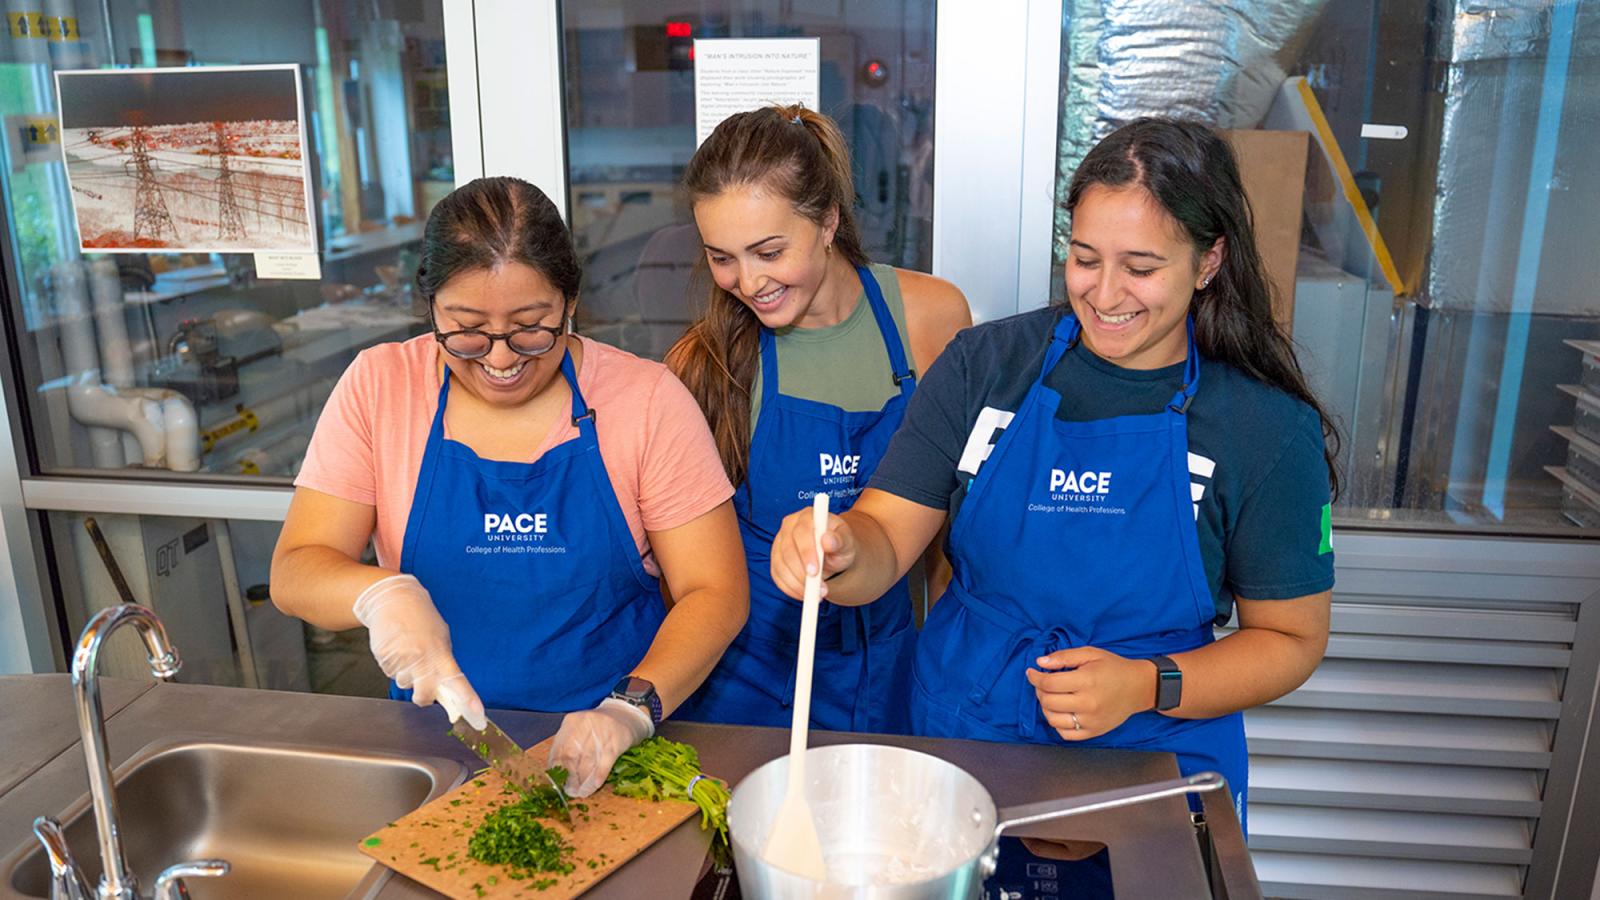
[{"x": 472, "y": 343}]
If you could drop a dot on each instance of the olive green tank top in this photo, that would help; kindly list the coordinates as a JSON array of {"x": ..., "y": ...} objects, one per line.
[{"x": 844, "y": 365}]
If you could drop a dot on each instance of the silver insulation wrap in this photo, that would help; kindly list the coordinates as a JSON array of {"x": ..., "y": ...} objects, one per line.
[
  {"x": 1214, "y": 61},
  {"x": 1494, "y": 88}
]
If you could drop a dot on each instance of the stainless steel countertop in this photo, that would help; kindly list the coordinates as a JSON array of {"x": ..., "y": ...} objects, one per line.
[
  {"x": 1153, "y": 849},
  {"x": 38, "y": 721}
]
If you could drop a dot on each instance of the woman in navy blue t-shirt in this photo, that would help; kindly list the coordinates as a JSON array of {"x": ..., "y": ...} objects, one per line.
[{"x": 1121, "y": 472}]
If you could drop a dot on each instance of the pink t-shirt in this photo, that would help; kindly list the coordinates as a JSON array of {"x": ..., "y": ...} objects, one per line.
[{"x": 657, "y": 448}]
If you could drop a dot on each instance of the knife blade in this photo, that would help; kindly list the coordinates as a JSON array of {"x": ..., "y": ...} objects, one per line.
[{"x": 507, "y": 757}]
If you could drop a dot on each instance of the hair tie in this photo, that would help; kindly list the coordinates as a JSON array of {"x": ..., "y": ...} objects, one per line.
[
  {"x": 689, "y": 791},
  {"x": 795, "y": 120}
]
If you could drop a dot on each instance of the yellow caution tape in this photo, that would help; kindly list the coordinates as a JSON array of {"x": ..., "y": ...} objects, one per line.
[{"x": 245, "y": 421}]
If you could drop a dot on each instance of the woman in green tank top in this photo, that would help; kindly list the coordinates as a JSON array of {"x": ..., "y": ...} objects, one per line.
[{"x": 803, "y": 363}]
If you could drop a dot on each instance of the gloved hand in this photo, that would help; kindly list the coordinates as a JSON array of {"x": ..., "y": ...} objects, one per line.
[
  {"x": 411, "y": 643},
  {"x": 590, "y": 741}
]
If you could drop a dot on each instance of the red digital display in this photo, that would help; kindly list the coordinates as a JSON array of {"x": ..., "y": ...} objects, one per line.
[{"x": 679, "y": 30}]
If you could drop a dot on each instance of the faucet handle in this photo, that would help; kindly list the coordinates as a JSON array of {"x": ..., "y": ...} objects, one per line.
[
  {"x": 66, "y": 879},
  {"x": 169, "y": 884}
]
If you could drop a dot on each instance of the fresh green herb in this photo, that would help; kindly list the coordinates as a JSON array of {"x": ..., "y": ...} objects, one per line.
[
  {"x": 657, "y": 769},
  {"x": 372, "y": 842},
  {"x": 478, "y": 782},
  {"x": 510, "y": 836}
]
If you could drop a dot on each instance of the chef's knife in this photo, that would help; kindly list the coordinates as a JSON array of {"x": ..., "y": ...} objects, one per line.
[{"x": 506, "y": 757}]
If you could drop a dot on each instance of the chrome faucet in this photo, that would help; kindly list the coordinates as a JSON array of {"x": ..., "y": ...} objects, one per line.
[{"x": 118, "y": 881}]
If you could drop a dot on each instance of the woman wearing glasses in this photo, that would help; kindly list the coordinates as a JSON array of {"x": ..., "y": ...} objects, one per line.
[{"x": 524, "y": 489}]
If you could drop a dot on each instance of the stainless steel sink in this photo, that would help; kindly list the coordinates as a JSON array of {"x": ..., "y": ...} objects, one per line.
[{"x": 287, "y": 817}]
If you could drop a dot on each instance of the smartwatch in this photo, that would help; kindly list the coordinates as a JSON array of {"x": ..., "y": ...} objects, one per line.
[
  {"x": 1169, "y": 683},
  {"x": 641, "y": 693}
]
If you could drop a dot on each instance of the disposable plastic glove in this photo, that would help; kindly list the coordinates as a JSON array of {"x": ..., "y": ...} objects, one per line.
[
  {"x": 590, "y": 741},
  {"x": 411, "y": 643}
]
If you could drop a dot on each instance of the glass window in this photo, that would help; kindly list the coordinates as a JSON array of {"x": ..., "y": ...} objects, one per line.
[
  {"x": 194, "y": 361},
  {"x": 630, "y": 132},
  {"x": 207, "y": 580},
  {"x": 1434, "y": 259}
]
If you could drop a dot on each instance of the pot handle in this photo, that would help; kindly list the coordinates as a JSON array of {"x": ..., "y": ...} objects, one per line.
[{"x": 1029, "y": 813}]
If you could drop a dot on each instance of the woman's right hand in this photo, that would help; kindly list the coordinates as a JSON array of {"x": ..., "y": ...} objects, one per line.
[
  {"x": 793, "y": 553},
  {"x": 411, "y": 643}
]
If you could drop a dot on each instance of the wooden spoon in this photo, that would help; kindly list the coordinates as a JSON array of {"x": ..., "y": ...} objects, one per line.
[{"x": 793, "y": 843}]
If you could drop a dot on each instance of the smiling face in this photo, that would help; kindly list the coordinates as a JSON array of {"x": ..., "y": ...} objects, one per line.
[
  {"x": 1131, "y": 276},
  {"x": 510, "y": 296},
  {"x": 769, "y": 257}
]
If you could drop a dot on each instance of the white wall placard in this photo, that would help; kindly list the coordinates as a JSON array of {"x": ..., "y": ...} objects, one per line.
[
  {"x": 283, "y": 264},
  {"x": 732, "y": 75}
]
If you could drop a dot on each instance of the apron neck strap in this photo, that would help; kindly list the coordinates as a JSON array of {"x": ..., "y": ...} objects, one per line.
[
  {"x": 581, "y": 412},
  {"x": 582, "y": 415},
  {"x": 1062, "y": 339},
  {"x": 904, "y": 377},
  {"x": 1066, "y": 335},
  {"x": 1191, "y": 374}
]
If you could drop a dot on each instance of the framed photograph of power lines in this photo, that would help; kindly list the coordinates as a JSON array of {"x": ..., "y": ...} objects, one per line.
[{"x": 209, "y": 159}]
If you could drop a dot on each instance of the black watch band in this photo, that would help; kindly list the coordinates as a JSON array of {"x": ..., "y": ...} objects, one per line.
[
  {"x": 641, "y": 693},
  {"x": 1169, "y": 683}
]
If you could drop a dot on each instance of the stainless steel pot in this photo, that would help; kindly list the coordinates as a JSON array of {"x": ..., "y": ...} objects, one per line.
[{"x": 897, "y": 824}]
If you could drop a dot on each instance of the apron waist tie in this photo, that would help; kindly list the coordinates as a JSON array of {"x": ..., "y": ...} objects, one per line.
[{"x": 1023, "y": 636}]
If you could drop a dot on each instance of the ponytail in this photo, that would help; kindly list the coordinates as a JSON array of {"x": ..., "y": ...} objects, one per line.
[{"x": 796, "y": 154}]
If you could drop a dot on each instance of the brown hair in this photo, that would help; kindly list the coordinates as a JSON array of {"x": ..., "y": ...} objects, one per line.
[
  {"x": 488, "y": 222},
  {"x": 796, "y": 154}
]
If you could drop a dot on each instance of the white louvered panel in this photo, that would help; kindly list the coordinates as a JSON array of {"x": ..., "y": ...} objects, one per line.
[
  {"x": 1398, "y": 835},
  {"x": 1398, "y": 737},
  {"x": 1303, "y": 876},
  {"x": 1431, "y": 688},
  {"x": 1420, "y": 649},
  {"x": 1394, "y": 786},
  {"x": 1355, "y": 615}
]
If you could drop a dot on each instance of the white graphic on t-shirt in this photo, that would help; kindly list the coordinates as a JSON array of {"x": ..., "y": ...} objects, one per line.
[
  {"x": 1199, "y": 467},
  {"x": 985, "y": 434}
]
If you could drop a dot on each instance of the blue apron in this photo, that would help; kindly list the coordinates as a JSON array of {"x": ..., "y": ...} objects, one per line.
[
  {"x": 533, "y": 568},
  {"x": 1074, "y": 534},
  {"x": 863, "y": 658}
]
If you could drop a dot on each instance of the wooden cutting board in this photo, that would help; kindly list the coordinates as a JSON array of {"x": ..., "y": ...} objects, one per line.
[{"x": 611, "y": 831}]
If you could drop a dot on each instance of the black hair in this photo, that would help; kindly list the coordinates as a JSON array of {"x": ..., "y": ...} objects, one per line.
[
  {"x": 488, "y": 222},
  {"x": 1191, "y": 171}
]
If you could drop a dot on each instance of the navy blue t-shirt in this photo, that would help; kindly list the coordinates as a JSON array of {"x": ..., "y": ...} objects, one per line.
[{"x": 1255, "y": 452}]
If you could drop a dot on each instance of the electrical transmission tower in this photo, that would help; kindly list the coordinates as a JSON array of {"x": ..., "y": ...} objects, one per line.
[
  {"x": 150, "y": 216},
  {"x": 230, "y": 223}
]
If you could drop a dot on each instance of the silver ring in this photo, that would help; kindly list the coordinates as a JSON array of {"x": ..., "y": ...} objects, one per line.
[{"x": 1076, "y": 725}]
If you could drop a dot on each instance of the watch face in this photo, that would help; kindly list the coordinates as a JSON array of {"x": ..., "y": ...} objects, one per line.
[{"x": 635, "y": 687}]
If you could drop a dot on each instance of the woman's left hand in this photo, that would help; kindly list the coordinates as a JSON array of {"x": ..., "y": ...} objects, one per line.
[
  {"x": 589, "y": 742},
  {"x": 1085, "y": 691}
]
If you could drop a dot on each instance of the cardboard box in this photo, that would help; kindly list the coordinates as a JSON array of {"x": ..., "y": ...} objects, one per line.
[{"x": 1273, "y": 166}]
